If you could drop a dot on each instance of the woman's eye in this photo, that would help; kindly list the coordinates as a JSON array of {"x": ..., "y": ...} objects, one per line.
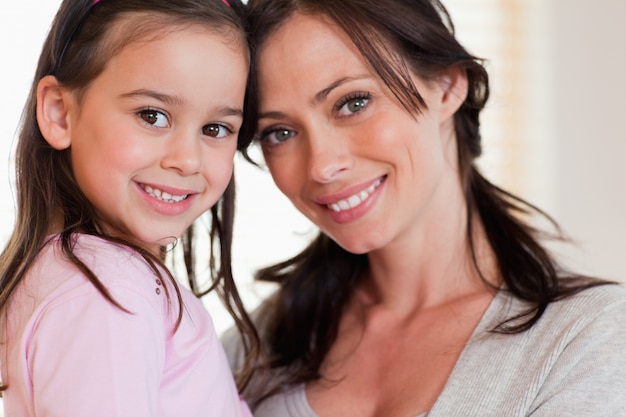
[
  {"x": 215, "y": 130},
  {"x": 276, "y": 136},
  {"x": 352, "y": 105},
  {"x": 154, "y": 118}
]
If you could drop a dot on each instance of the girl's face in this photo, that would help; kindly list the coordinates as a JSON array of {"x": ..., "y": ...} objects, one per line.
[
  {"x": 342, "y": 148},
  {"x": 153, "y": 137}
]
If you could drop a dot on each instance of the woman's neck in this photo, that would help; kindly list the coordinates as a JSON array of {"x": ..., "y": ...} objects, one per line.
[{"x": 431, "y": 265}]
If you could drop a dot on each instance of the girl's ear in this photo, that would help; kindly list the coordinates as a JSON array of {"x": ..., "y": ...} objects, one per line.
[
  {"x": 53, "y": 112},
  {"x": 454, "y": 85}
]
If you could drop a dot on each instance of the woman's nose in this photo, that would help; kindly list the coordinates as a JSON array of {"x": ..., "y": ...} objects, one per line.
[{"x": 328, "y": 157}]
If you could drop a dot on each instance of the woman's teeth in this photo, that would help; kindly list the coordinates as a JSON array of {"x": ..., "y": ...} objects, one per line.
[
  {"x": 163, "y": 196},
  {"x": 355, "y": 200}
]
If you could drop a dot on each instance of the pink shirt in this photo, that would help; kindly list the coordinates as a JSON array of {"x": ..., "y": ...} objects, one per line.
[{"x": 66, "y": 351}]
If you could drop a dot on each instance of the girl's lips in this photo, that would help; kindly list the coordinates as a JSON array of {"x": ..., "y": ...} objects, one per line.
[
  {"x": 165, "y": 193},
  {"x": 167, "y": 201}
]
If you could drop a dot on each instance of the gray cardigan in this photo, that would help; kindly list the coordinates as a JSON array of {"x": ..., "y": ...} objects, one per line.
[{"x": 571, "y": 363}]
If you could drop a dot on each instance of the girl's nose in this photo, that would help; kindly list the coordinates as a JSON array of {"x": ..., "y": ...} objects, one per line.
[{"x": 183, "y": 153}]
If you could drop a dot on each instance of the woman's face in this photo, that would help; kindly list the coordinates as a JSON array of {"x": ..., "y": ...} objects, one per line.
[{"x": 341, "y": 147}]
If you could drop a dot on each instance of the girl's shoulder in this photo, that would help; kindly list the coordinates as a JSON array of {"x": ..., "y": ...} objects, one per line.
[
  {"x": 53, "y": 278},
  {"x": 106, "y": 256}
]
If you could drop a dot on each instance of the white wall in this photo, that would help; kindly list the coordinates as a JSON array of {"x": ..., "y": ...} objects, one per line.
[{"x": 586, "y": 90}]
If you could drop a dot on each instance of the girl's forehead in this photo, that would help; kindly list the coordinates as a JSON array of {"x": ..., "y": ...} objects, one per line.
[{"x": 145, "y": 27}]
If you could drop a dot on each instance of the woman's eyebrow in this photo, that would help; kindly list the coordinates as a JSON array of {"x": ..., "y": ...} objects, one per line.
[
  {"x": 318, "y": 98},
  {"x": 321, "y": 96}
]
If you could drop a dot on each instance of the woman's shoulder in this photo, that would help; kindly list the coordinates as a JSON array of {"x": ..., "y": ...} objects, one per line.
[
  {"x": 575, "y": 344},
  {"x": 590, "y": 303},
  {"x": 604, "y": 294},
  {"x": 583, "y": 306},
  {"x": 582, "y": 318},
  {"x": 231, "y": 338},
  {"x": 603, "y": 305}
]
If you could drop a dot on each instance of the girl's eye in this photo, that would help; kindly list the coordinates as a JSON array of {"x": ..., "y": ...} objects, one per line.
[
  {"x": 154, "y": 118},
  {"x": 352, "y": 104},
  {"x": 216, "y": 130},
  {"x": 276, "y": 136}
]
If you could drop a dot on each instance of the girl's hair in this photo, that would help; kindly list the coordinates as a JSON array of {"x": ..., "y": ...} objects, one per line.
[
  {"x": 78, "y": 46},
  {"x": 395, "y": 37}
]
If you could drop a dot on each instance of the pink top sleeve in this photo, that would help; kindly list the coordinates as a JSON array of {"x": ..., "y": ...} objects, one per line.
[
  {"x": 72, "y": 353},
  {"x": 89, "y": 358}
]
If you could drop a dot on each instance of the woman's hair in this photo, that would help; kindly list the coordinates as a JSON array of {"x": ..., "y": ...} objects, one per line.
[
  {"x": 395, "y": 37},
  {"x": 78, "y": 46}
]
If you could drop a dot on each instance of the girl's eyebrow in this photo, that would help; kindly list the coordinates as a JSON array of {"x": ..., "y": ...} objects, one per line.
[
  {"x": 176, "y": 100},
  {"x": 142, "y": 92}
]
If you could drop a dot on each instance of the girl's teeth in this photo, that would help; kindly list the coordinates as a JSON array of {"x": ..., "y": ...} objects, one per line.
[
  {"x": 162, "y": 195},
  {"x": 355, "y": 200}
]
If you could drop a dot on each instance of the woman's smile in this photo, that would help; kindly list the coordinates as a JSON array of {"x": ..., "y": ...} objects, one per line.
[
  {"x": 355, "y": 199},
  {"x": 341, "y": 146}
]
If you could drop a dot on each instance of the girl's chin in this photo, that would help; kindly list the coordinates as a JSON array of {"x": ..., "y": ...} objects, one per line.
[{"x": 154, "y": 244}]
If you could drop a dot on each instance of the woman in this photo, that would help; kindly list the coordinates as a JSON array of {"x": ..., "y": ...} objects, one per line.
[{"x": 426, "y": 292}]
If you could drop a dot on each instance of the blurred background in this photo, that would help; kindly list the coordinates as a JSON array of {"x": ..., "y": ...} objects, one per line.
[{"x": 553, "y": 130}]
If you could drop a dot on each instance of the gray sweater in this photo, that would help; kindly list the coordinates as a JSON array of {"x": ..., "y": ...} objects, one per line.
[{"x": 571, "y": 363}]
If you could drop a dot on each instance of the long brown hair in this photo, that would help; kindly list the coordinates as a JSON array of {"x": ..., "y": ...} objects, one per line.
[
  {"x": 76, "y": 51},
  {"x": 300, "y": 323}
]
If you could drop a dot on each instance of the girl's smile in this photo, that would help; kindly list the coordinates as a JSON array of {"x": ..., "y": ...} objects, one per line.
[
  {"x": 161, "y": 195},
  {"x": 170, "y": 203}
]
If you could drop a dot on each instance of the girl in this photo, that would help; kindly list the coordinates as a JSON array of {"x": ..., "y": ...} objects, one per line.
[
  {"x": 128, "y": 137},
  {"x": 426, "y": 292}
]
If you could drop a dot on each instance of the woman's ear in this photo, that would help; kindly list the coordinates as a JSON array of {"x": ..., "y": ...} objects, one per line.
[
  {"x": 454, "y": 86},
  {"x": 53, "y": 115}
]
